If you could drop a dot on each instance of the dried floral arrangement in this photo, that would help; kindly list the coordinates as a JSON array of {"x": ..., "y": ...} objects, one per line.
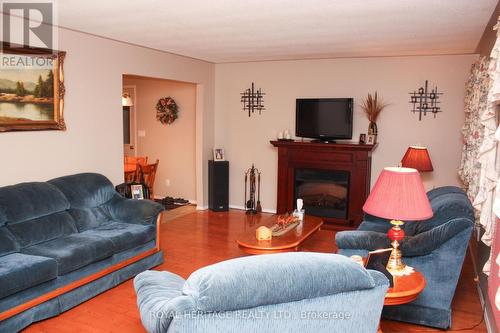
[{"x": 373, "y": 106}]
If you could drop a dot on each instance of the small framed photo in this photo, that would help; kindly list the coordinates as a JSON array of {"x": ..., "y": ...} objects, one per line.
[
  {"x": 362, "y": 138},
  {"x": 219, "y": 154},
  {"x": 137, "y": 192},
  {"x": 377, "y": 260},
  {"x": 370, "y": 139}
]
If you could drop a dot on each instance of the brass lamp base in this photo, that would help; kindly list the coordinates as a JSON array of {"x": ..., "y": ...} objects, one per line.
[{"x": 396, "y": 234}]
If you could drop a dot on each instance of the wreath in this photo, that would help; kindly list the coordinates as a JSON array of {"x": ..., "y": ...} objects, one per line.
[{"x": 166, "y": 110}]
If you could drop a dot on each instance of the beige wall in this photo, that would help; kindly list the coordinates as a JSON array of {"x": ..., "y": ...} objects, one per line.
[
  {"x": 174, "y": 144},
  {"x": 246, "y": 140},
  {"x": 93, "y": 140}
]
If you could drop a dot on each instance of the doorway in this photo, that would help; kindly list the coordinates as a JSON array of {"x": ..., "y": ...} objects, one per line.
[
  {"x": 173, "y": 145},
  {"x": 129, "y": 99}
]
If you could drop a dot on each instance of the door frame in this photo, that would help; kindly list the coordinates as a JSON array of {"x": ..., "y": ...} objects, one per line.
[{"x": 134, "y": 98}]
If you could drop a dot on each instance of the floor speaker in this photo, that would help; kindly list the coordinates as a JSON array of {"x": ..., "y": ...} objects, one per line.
[{"x": 218, "y": 186}]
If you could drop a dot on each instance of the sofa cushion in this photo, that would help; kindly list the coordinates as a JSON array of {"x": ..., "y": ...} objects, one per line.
[
  {"x": 8, "y": 243},
  {"x": 27, "y": 201},
  {"x": 73, "y": 251},
  {"x": 124, "y": 236},
  {"x": 42, "y": 229},
  {"x": 85, "y": 190},
  {"x": 89, "y": 218},
  {"x": 20, "y": 271},
  {"x": 272, "y": 279}
]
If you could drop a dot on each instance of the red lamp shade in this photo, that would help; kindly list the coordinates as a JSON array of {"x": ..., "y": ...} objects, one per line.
[
  {"x": 399, "y": 194},
  {"x": 417, "y": 158}
]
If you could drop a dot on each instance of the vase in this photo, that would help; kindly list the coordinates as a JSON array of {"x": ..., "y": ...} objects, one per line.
[{"x": 372, "y": 130}]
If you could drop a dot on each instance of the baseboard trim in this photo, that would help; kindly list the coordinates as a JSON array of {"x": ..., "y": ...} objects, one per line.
[
  {"x": 198, "y": 207},
  {"x": 264, "y": 210}
]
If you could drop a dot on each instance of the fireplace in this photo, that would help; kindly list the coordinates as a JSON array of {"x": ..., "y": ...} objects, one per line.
[
  {"x": 333, "y": 180},
  {"x": 325, "y": 192}
]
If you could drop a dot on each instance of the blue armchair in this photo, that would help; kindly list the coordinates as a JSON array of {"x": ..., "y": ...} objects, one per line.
[
  {"x": 287, "y": 292},
  {"x": 435, "y": 247}
]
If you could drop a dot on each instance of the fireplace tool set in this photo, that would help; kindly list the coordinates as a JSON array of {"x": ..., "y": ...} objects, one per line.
[{"x": 252, "y": 177}]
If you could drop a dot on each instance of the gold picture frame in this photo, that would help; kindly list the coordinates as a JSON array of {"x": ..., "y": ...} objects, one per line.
[{"x": 32, "y": 89}]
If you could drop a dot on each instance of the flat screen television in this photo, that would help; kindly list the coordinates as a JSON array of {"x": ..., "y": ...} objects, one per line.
[{"x": 325, "y": 119}]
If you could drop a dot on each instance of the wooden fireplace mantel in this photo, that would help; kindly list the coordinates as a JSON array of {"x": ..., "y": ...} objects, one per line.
[{"x": 352, "y": 157}]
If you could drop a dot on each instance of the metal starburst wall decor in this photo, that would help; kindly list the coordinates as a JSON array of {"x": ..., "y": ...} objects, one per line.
[
  {"x": 425, "y": 101},
  {"x": 253, "y": 100}
]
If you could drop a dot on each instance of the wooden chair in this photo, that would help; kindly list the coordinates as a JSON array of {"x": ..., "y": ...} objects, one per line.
[
  {"x": 142, "y": 160},
  {"x": 131, "y": 167},
  {"x": 130, "y": 176},
  {"x": 149, "y": 174}
]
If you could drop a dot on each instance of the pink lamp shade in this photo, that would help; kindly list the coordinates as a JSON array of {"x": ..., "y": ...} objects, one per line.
[
  {"x": 417, "y": 158},
  {"x": 399, "y": 194}
]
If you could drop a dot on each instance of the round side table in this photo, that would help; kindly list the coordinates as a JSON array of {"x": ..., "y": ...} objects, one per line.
[{"x": 406, "y": 289}]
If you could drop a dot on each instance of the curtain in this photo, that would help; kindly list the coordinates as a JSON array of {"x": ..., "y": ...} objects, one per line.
[
  {"x": 487, "y": 200},
  {"x": 476, "y": 97},
  {"x": 480, "y": 165},
  {"x": 493, "y": 102}
]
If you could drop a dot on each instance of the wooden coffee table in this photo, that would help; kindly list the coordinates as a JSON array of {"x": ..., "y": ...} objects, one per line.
[{"x": 288, "y": 242}]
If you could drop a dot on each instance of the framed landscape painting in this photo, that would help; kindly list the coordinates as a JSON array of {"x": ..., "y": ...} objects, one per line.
[{"x": 31, "y": 89}]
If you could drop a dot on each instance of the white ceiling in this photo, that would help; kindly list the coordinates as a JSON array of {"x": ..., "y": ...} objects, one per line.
[{"x": 251, "y": 30}]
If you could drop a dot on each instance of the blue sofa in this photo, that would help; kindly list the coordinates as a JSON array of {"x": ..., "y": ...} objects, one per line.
[
  {"x": 435, "y": 247},
  {"x": 75, "y": 233},
  {"x": 287, "y": 292}
]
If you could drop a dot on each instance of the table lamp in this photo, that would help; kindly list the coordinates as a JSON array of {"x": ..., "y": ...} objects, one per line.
[
  {"x": 417, "y": 157},
  {"x": 398, "y": 195}
]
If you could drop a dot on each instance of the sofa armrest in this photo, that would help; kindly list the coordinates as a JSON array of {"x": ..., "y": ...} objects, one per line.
[
  {"x": 362, "y": 240},
  {"x": 135, "y": 211},
  {"x": 419, "y": 245},
  {"x": 426, "y": 242},
  {"x": 160, "y": 299}
]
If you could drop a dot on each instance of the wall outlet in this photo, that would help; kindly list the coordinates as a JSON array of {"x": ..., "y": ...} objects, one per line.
[
  {"x": 141, "y": 133},
  {"x": 167, "y": 182}
]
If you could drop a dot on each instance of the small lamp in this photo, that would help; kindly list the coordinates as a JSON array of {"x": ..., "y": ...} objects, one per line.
[
  {"x": 127, "y": 100},
  {"x": 417, "y": 157},
  {"x": 398, "y": 195}
]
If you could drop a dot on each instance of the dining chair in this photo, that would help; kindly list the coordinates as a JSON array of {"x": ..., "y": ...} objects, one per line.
[
  {"x": 142, "y": 160},
  {"x": 148, "y": 176},
  {"x": 130, "y": 166}
]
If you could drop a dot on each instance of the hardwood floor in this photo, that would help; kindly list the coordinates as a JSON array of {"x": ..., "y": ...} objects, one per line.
[{"x": 201, "y": 238}]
